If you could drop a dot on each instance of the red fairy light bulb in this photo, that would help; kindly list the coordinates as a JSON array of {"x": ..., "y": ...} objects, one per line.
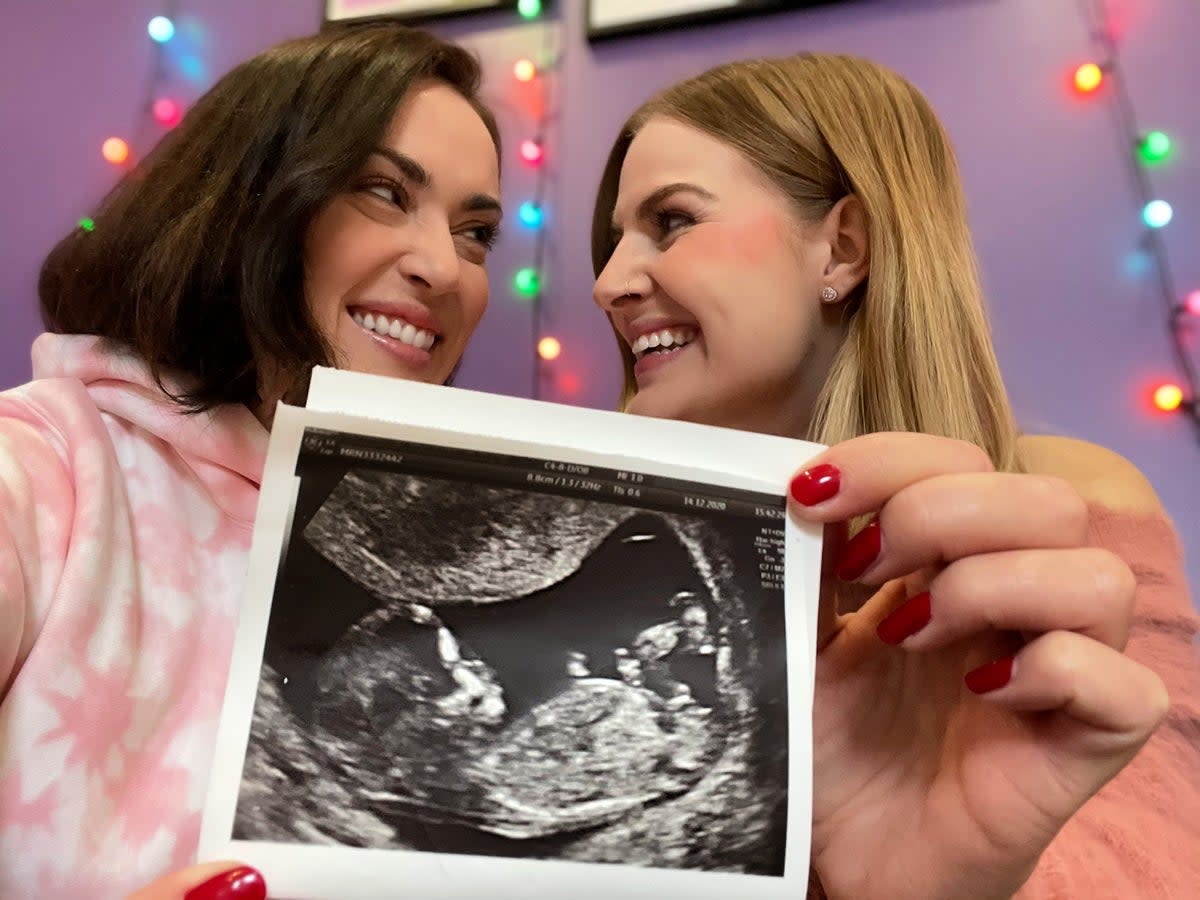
[
  {"x": 167, "y": 112},
  {"x": 532, "y": 152}
]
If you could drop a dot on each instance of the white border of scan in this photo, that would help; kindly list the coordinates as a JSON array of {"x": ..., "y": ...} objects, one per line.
[{"x": 370, "y": 405}]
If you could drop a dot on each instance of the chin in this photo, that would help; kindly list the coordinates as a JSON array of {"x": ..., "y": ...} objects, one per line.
[
  {"x": 660, "y": 405},
  {"x": 646, "y": 404},
  {"x": 390, "y": 369}
]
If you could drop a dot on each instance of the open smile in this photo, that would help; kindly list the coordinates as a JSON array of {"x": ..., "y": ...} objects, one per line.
[
  {"x": 403, "y": 341},
  {"x": 394, "y": 328},
  {"x": 660, "y": 348}
]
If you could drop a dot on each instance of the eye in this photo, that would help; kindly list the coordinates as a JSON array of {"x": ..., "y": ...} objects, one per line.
[
  {"x": 475, "y": 241},
  {"x": 386, "y": 189},
  {"x": 484, "y": 235},
  {"x": 670, "y": 221}
]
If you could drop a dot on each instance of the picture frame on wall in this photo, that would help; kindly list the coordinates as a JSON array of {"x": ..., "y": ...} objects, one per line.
[
  {"x": 410, "y": 11},
  {"x": 620, "y": 18}
]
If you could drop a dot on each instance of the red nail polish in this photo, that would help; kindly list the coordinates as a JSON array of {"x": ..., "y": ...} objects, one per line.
[
  {"x": 242, "y": 883},
  {"x": 816, "y": 485},
  {"x": 860, "y": 552},
  {"x": 991, "y": 677},
  {"x": 905, "y": 620}
]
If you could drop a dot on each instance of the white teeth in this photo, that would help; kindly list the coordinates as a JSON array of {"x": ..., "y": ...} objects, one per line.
[
  {"x": 397, "y": 329},
  {"x": 665, "y": 338}
]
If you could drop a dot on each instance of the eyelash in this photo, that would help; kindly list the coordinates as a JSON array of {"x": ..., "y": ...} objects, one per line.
[
  {"x": 664, "y": 217},
  {"x": 487, "y": 235},
  {"x": 399, "y": 194}
]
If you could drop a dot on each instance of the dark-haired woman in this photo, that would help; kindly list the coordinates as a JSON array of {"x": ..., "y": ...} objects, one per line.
[{"x": 331, "y": 201}]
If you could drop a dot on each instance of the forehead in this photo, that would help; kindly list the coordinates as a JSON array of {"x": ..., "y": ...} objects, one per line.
[
  {"x": 437, "y": 127},
  {"x": 666, "y": 151}
]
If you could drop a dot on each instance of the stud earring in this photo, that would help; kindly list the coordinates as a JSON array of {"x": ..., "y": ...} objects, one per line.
[{"x": 829, "y": 294}]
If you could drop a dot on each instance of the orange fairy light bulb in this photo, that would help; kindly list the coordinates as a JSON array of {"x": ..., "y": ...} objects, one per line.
[{"x": 115, "y": 150}]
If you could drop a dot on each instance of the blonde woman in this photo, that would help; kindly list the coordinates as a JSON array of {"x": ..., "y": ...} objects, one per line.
[{"x": 781, "y": 245}]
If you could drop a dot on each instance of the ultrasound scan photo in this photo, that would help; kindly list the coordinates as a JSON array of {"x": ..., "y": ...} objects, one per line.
[{"x": 482, "y": 654}]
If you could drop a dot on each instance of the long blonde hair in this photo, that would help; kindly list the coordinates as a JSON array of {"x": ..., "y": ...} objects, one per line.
[{"x": 918, "y": 353}]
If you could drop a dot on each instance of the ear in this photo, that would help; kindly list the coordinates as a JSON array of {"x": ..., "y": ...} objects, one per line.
[{"x": 845, "y": 227}]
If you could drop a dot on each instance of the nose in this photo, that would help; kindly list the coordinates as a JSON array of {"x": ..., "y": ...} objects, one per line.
[
  {"x": 622, "y": 281},
  {"x": 431, "y": 261}
]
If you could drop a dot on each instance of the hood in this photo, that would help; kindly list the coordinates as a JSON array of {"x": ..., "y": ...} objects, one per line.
[{"x": 225, "y": 447}]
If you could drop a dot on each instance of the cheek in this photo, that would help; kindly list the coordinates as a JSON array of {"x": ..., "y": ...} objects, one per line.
[
  {"x": 756, "y": 243},
  {"x": 474, "y": 297},
  {"x": 729, "y": 252},
  {"x": 328, "y": 265},
  {"x": 745, "y": 281},
  {"x": 344, "y": 248},
  {"x": 759, "y": 242}
]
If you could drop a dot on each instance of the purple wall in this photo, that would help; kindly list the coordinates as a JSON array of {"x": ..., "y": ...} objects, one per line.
[{"x": 1055, "y": 215}]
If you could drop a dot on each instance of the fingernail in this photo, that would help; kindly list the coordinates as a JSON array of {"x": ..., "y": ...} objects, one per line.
[
  {"x": 906, "y": 620},
  {"x": 860, "y": 552},
  {"x": 816, "y": 485},
  {"x": 991, "y": 677},
  {"x": 242, "y": 883}
]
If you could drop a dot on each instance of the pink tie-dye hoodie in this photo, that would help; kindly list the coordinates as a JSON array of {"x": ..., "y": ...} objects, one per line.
[{"x": 124, "y": 534}]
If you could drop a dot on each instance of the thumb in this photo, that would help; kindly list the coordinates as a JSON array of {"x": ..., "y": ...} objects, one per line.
[{"x": 209, "y": 881}]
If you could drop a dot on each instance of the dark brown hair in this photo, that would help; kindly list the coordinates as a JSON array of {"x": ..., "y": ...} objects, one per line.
[{"x": 196, "y": 259}]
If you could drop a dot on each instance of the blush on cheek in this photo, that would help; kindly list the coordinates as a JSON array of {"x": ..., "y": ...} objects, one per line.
[{"x": 755, "y": 242}]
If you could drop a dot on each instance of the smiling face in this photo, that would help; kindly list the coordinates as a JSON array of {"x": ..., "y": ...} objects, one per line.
[
  {"x": 714, "y": 283},
  {"x": 394, "y": 266}
]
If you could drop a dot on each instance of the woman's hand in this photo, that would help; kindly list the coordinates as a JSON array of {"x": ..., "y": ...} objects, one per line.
[
  {"x": 210, "y": 881},
  {"x": 980, "y": 695}
]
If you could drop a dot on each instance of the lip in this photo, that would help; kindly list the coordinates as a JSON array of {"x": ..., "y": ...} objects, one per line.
[{"x": 654, "y": 362}]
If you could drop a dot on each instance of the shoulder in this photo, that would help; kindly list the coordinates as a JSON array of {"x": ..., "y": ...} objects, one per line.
[
  {"x": 59, "y": 409},
  {"x": 1097, "y": 473}
]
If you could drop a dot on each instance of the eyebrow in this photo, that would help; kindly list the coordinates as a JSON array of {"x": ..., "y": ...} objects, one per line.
[
  {"x": 653, "y": 199},
  {"x": 482, "y": 203},
  {"x": 409, "y": 167},
  {"x": 420, "y": 177}
]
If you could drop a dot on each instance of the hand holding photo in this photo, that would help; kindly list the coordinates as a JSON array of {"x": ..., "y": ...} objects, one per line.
[{"x": 492, "y": 656}]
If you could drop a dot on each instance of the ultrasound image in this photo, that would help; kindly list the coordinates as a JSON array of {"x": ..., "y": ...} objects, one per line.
[{"x": 462, "y": 668}]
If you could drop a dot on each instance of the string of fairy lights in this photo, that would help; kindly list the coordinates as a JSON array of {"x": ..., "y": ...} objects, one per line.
[
  {"x": 159, "y": 106},
  {"x": 529, "y": 282},
  {"x": 1148, "y": 150}
]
